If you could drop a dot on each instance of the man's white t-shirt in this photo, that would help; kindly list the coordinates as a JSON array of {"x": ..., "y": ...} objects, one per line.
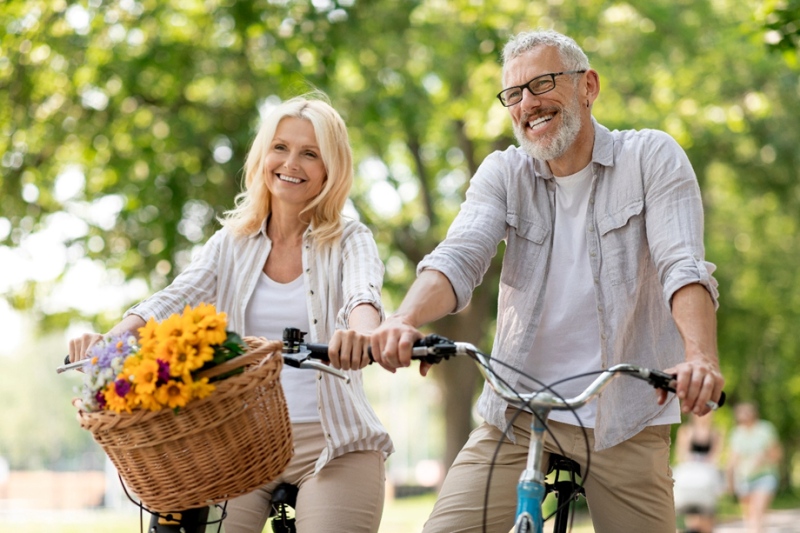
[{"x": 567, "y": 341}]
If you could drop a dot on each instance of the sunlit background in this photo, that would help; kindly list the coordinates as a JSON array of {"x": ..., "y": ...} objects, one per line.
[{"x": 125, "y": 125}]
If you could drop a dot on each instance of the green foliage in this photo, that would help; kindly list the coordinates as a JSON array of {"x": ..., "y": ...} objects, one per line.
[{"x": 150, "y": 107}]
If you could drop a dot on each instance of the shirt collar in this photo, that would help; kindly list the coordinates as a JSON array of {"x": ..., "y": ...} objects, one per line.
[
  {"x": 262, "y": 231},
  {"x": 602, "y": 151}
]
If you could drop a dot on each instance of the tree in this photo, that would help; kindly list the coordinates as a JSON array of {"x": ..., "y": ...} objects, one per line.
[{"x": 142, "y": 112}]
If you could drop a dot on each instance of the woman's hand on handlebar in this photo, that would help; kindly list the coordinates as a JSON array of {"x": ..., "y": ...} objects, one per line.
[
  {"x": 79, "y": 346},
  {"x": 348, "y": 350},
  {"x": 392, "y": 343}
]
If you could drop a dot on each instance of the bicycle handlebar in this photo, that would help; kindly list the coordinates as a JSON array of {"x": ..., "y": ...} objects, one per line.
[{"x": 434, "y": 348}]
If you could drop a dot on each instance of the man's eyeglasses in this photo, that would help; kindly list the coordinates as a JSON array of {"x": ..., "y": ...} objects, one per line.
[{"x": 538, "y": 85}]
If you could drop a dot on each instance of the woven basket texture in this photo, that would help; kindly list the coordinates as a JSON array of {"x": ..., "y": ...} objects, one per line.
[{"x": 214, "y": 449}]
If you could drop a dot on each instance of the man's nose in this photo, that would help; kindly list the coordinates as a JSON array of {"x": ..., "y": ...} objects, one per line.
[{"x": 529, "y": 100}]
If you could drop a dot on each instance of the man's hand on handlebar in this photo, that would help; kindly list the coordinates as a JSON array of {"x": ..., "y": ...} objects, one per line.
[
  {"x": 392, "y": 343},
  {"x": 698, "y": 385}
]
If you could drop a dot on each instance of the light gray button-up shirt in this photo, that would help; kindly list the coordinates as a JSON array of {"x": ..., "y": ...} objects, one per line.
[
  {"x": 337, "y": 278},
  {"x": 645, "y": 241}
]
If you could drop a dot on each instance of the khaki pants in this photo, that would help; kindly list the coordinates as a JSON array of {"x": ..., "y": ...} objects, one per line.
[
  {"x": 628, "y": 489},
  {"x": 346, "y": 496}
]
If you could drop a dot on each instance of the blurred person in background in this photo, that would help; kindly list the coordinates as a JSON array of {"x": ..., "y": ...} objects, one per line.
[
  {"x": 755, "y": 452},
  {"x": 698, "y": 478}
]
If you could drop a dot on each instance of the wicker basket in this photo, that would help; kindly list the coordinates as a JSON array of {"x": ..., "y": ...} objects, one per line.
[{"x": 222, "y": 446}]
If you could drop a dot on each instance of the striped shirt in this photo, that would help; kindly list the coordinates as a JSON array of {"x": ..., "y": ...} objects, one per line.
[
  {"x": 644, "y": 236},
  {"x": 337, "y": 278}
]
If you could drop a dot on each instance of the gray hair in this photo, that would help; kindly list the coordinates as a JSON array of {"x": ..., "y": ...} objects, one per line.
[{"x": 571, "y": 54}]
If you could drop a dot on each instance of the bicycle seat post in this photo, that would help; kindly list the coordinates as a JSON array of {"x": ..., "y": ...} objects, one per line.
[{"x": 531, "y": 487}]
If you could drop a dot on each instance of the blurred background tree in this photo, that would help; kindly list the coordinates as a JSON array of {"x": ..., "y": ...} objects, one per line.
[{"x": 125, "y": 124}]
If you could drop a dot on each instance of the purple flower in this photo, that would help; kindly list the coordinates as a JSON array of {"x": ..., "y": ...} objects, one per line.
[
  {"x": 114, "y": 347},
  {"x": 122, "y": 386},
  {"x": 100, "y": 398},
  {"x": 163, "y": 372}
]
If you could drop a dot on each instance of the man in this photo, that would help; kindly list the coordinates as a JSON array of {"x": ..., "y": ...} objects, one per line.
[{"x": 604, "y": 263}]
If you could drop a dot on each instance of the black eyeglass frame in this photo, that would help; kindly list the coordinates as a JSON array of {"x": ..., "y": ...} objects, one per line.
[{"x": 551, "y": 75}]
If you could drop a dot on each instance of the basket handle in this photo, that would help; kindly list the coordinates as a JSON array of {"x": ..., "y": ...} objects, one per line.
[{"x": 259, "y": 348}]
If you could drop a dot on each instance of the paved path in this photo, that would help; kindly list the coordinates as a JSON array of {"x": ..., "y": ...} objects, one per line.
[{"x": 784, "y": 521}]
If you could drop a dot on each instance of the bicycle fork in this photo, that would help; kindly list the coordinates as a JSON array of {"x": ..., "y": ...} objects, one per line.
[{"x": 531, "y": 488}]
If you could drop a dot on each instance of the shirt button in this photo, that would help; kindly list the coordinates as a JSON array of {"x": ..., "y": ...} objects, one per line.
[
  {"x": 592, "y": 254},
  {"x": 591, "y": 229},
  {"x": 315, "y": 321},
  {"x": 311, "y": 292}
]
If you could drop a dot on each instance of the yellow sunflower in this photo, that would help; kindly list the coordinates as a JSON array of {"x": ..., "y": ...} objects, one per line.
[
  {"x": 114, "y": 401},
  {"x": 145, "y": 377},
  {"x": 147, "y": 337},
  {"x": 173, "y": 394},
  {"x": 212, "y": 328},
  {"x": 201, "y": 388}
]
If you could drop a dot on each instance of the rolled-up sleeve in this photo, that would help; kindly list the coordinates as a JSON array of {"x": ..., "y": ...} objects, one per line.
[
  {"x": 471, "y": 243},
  {"x": 362, "y": 273},
  {"x": 675, "y": 219},
  {"x": 197, "y": 283}
]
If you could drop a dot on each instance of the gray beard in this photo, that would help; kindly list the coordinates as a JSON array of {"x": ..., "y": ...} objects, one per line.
[{"x": 558, "y": 142}]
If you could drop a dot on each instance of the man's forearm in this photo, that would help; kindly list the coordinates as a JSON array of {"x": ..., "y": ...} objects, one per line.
[
  {"x": 430, "y": 297},
  {"x": 695, "y": 317}
]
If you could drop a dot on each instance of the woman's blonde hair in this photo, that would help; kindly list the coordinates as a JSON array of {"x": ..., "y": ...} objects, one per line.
[{"x": 324, "y": 212}]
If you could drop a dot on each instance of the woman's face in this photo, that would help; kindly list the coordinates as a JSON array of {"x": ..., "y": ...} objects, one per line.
[{"x": 293, "y": 167}]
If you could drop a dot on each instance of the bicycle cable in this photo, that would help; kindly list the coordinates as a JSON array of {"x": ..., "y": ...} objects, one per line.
[
  {"x": 509, "y": 429},
  {"x": 519, "y": 410}
]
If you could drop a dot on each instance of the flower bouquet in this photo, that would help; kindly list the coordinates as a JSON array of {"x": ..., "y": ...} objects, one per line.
[
  {"x": 162, "y": 368},
  {"x": 190, "y": 413}
]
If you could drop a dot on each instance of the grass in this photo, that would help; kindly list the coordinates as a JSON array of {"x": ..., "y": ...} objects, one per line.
[{"x": 405, "y": 515}]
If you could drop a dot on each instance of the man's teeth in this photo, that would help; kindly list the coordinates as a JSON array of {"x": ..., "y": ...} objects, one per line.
[
  {"x": 289, "y": 179},
  {"x": 539, "y": 121}
]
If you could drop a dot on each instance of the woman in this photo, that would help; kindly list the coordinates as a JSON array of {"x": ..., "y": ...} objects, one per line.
[
  {"x": 755, "y": 452},
  {"x": 286, "y": 257},
  {"x": 698, "y": 480}
]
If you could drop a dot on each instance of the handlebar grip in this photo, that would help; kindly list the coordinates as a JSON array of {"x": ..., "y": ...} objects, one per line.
[
  {"x": 319, "y": 350},
  {"x": 662, "y": 380},
  {"x": 722, "y": 398}
]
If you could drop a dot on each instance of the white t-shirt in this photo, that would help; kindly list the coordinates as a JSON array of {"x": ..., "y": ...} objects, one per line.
[
  {"x": 569, "y": 328},
  {"x": 273, "y": 307}
]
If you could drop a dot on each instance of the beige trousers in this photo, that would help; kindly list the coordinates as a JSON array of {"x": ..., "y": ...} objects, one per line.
[
  {"x": 345, "y": 496},
  {"x": 628, "y": 489}
]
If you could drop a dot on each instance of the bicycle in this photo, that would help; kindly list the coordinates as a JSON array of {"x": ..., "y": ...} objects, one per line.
[
  {"x": 532, "y": 487},
  {"x": 296, "y": 353}
]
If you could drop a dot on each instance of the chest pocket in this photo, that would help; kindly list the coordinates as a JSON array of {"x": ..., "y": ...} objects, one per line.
[
  {"x": 524, "y": 248},
  {"x": 623, "y": 241}
]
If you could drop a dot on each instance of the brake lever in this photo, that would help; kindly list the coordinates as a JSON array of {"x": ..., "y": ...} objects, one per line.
[{"x": 302, "y": 359}]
